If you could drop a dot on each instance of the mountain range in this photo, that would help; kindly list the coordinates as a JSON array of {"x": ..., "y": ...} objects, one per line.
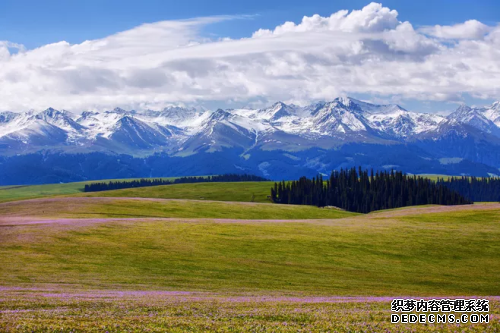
[{"x": 280, "y": 141}]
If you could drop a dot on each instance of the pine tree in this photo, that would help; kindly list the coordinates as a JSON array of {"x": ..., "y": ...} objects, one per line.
[{"x": 355, "y": 191}]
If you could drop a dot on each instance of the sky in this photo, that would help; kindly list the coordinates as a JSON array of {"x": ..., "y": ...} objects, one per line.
[{"x": 93, "y": 55}]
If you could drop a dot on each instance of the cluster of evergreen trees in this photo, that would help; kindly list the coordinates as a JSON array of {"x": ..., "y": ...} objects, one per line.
[
  {"x": 115, "y": 185},
  {"x": 363, "y": 192},
  {"x": 473, "y": 188}
]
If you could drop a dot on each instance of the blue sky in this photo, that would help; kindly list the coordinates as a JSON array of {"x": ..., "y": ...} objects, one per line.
[
  {"x": 34, "y": 23},
  {"x": 286, "y": 64}
]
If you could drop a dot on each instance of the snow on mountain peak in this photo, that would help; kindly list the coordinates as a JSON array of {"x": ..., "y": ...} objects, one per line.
[
  {"x": 219, "y": 115},
  {"x": 49, "y": 113},
  {"x": 345, "y": 101},
  {"x": 336, "y": 117},
  {"x": 88, "y": 114},
  {"x": 7, "y": 116},
  {"x": 463, "y": 109},
  {"x": 483, "y": 119},
  {"x": 275, "y": 112},
  {"x": 493, "y": 113},
  {"x": 119, "y": 110},
  {"x": 61, "y": 119},
  {"x": 465, "y": 113},
  {"x": 340, "y": 118}
]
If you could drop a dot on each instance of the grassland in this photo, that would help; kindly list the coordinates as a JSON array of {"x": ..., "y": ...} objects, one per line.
[
  {"x": 159, "y": 208},
  {"x": 168, "y": 259},
  {"x": 22, "y": 192},
  {"x": 449, "y": 253},
  {"x": 170, "y": 312},
  {"x": 238, "y": 192},
  {"x": 435, "y": 177},
  {"x": 12, "y": 193}
]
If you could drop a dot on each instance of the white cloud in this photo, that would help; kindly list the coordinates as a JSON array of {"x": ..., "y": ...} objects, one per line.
[
  {"x": 6, "y": 47},
  {"x": 471, "y": 29},
  {"x": 363, "y": 51},
  {"x": 372, "y": 18}
]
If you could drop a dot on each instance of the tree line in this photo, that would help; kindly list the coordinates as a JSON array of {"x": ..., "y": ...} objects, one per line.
[
  {"x": 116, "y": 185},
  {"x": 362, "y": 191},
  {"x": 473, "y": 188}
]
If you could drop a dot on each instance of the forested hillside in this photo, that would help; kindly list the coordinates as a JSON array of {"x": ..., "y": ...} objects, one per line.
[
  {"x": 362, "y": 191},
  {"x": 473, "y": 188}
]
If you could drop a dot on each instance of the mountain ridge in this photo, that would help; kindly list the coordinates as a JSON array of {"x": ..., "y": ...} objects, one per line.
[
  {"x": 342, "y": 120},
  {"x": 270, "y": 140}
]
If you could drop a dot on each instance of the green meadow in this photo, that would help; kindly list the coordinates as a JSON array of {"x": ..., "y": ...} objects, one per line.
[
  {"x": 415, "y": 254},
  {"x": 22, "y": 192},
  {"x": 220, "y": 257},
  {"x": 137, "y": 208},
  {"x": 238, "y": 192}
]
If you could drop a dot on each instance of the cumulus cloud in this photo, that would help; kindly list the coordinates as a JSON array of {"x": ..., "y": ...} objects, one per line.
[
  {"x": 471, "y": 29},
  {"x": 372, "y": 18},
  {"x": 365, "y": 51},
  {"x": 7, "y": 47}
]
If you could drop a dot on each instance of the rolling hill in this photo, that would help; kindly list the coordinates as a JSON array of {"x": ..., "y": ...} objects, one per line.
[
  {"x": 81, "y": 244},
  {"x": 21, "y": 192},
  {"x": 75, "y": 208},
  {"x": 239, "y": 192},
  {"x": 161, "y": 258}
]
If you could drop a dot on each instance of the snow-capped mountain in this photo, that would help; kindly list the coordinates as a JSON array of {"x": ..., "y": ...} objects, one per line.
[
  {"x": 223, "y": 129},
  {"x": 32, "y": 129},
  {"x": 268, "y": 140},
  {"x": 474, "y": 117},
  {"x": 176, "y": 129},
  {"x": 132, "y": 132},
  {"x": 493, "y": 113},
  {"x": 7, "y": 116},
  {"x": 468, "y": 122},
  {"x": 403, "y": 124}
]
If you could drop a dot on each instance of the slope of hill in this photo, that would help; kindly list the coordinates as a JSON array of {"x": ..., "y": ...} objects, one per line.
[
  {"x": 22, "y": 192},
  {"x": 403, "y": 252},
  {"x": 149, "y": 208},
  {"x": 160, "y": 263},
  {"x": 238, "y": 192}
]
